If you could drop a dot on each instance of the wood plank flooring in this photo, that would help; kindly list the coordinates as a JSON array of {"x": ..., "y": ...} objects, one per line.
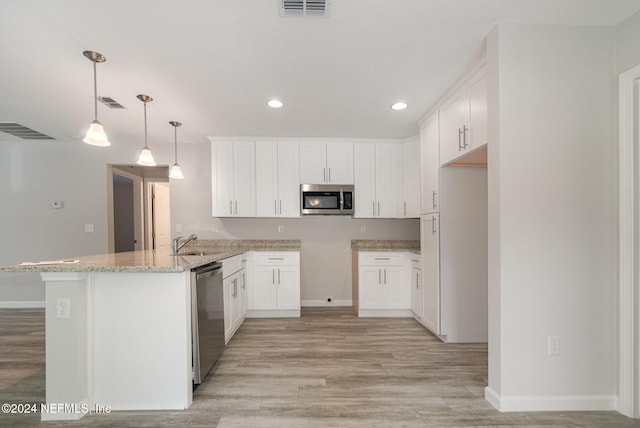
[{"x": 325, "y": 369}]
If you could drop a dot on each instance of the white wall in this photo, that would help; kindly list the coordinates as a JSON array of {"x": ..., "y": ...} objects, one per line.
[
  {"x": 628, "y": 44},
  {"x": 553, "y": 217},
  {"x": 35, "y": 173}
]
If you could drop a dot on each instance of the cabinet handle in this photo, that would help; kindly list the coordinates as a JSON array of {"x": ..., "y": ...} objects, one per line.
[
  {"x": 405, "y": 208},
  {"x": 374, "y": 209},
  {"x": 324, "y": 175},
  {"x": 385, "y": 276},
  {"x": 433, "y": 225},
  {"x": 329, "y": 175},
  {"x": 278, "y": 276},
  {"x": 460, "y": 139},
  {"x": 235, "y": 288},
  {"x": 417, "y": 283},
  {"x": 236, "y": 207},
  {"x": 276, "y": 258},
  {"x": 275, "y": 207},
  {"x": 273, "y": 276},
  {"x": 382, "y": 258},
  {"x": 464, "y": 136},
  {"x": 433, "y": 199},
  {"x": 280, "y": 206},
  {"x": 378, "y": 208},
  {"x": 230, "y": 207},
  {"x": 379, "y": 276}
]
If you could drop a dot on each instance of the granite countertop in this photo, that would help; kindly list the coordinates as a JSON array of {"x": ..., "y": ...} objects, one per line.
[
  {"x": 386, "y": 245},
  {"x": 162, "y": 260}
]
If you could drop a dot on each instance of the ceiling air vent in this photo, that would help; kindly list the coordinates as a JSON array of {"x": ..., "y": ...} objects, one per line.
[
  {"x": 315, "y": 8},
  {"x": 18, "y": 130},
  {"x": 110, "y": 102}
]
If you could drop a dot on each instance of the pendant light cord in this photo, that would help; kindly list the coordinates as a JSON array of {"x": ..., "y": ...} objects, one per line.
[
  {"x": 145, "y": 125},
  {"x": 95, "y": 91},
  {"x": 175, "y": 141}
]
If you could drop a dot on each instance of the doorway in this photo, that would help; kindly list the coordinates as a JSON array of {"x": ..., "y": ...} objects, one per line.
[{"x": 138, "y": 207}]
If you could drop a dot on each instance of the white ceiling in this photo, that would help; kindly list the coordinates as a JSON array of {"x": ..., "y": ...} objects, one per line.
[{"x": 213, "y": 64}]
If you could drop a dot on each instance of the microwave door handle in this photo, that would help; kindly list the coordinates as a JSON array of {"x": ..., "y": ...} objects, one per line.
[{"x": 341, "y": 199}]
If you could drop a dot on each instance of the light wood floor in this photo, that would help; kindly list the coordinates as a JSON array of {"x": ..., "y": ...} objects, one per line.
[{"x": 325, "y": 369}]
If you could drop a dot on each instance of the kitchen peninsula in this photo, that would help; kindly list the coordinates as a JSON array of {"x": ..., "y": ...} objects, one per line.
[{"x": 118, "y": 326}]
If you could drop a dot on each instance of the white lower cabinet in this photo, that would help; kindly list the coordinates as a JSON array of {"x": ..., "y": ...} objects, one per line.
[
  {"x": 384, "y": 284},
  {"x": 234, "y": 285},
  {"x": 274, "y": 284},
  {"x": 417, "y": 291}
]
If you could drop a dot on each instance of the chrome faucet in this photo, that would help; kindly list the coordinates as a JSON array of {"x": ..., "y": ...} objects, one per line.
[{"x": 177, "y": 245}]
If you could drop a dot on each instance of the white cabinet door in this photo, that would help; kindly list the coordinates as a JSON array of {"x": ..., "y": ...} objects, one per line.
[
  {"x": 430, "y": 165},
  {"x": 370, "y": 287},
  {"x": 388, "y": 181},
  {"x": 454, "y": 125},
  {"x": 266, "y": 179},
  {"x": 313, "y": 161},
  {"x": 326, "y": 163},
  {"x": 288, "y": 287},
  {"x": 242, "y": 294},
  {"x": 339, "y": 163},
  {"x": 430, "y": 251},
  {"x": 244, "y": 178},
  {"x": 277, "y": 182},
  {"x": 288, "y": 179},
  {"x": 410, "y": 207},
  {"x": 365, "y": 180},
  {"x": 222, "y": 178},
  {"x": 237, "y": 303},
  {"x": 227, "y": 286},
  {"x": 233, "y": 178},
  {"x": 417, "y": 294},
  {"x": 478, "y": 113},
  {"x": 264, "y": 291},
  {"x": 396, "y": 291},
  {"x": 463, "y": 120},
  {"x": 378, "y": 182}
]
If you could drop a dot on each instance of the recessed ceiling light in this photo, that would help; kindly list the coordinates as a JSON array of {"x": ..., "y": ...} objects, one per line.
[
  {"x": 399, "y": 106},
  {"x": 275, "y": 103}
]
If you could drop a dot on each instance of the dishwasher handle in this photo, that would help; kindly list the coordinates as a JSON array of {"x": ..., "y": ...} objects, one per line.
[{"x": 208, "y": 270}]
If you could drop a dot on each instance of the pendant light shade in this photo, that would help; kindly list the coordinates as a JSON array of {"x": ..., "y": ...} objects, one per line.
[
  {"x": 175, "y": 172},
  {"x": 95, "y": 135},
  {"x": 145, "y": 158}
]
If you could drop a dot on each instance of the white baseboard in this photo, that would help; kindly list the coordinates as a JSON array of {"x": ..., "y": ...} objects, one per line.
[
  {"x": 311, "y": 303},
  {"x": 22, "y": 305},
  {"x": 550, "y": 403}
]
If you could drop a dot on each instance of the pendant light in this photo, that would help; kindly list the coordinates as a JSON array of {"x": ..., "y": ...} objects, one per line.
[
  {"x": 95, "y": 135},
  {"x": 146, "y": 158},
  {"x": 176, "y": 172}
]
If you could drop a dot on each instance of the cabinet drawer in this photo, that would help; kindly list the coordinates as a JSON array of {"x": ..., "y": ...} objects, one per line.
[
  {"x": 381, "y": 258},
  {"x": 269, "y": 258},
  {"x": 231, "y": 265}
]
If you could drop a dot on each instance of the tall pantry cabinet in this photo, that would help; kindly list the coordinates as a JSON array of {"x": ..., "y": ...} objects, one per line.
[{"x": 453, "y": 235}]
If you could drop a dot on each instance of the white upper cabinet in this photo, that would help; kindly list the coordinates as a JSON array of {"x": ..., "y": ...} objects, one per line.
[
  {"x": 410, "y": 207},
  {"x": 326, "y": 163},
  {"x": 233, "y": 179},
  {"x": 277, "y": 179},
  {"x": 430, "y": 165},
  {"x": 378, "y": 180},
  {"x": 463, "y": 120}
]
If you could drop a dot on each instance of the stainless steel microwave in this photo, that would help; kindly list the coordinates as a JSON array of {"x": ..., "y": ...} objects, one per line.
[{"x": 326, "y": 199}]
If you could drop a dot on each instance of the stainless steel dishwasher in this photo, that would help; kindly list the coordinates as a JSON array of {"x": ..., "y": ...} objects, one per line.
[{"x": 207, "y": 318}]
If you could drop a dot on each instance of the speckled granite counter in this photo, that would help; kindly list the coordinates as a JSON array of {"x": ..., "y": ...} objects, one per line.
[
  {"x": 386, "y": 245},
  {"x": 161, "y": 260}
]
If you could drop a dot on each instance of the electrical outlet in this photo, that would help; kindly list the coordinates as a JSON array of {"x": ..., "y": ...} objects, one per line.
[
  {"x": 363, "y": 228},
  {"x": 88, "y": 227},
  {"x": 554, "y": 345},
  {"x": 178, "y": 228},
  {"x": 63, "y": 308},
  {"x": 280, "y": 228}
]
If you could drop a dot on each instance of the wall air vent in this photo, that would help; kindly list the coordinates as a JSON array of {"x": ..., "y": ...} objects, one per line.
[
  {"x": 18, "y": 130},
  {"x": 310, "y": 8},
  {"x": 110, "y": 102}
]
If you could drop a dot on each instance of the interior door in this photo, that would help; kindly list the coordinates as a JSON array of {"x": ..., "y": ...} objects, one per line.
[{"x": 161, "y": 208}]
